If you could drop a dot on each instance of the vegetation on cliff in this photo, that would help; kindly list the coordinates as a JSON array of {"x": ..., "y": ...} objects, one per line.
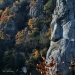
[{"x": 24, "y": 38}]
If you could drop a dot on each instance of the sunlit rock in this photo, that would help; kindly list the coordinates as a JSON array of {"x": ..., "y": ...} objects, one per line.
[{"x": 62, "y": 46}]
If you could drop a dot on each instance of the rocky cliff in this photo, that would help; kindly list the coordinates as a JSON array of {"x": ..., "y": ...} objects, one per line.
[
  {"x": 36, "y": 8},
  {"x": 60, "y": 57}
]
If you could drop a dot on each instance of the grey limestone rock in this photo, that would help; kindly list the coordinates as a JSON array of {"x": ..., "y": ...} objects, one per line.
[
  {"x": 61, "y": 53},
  {"x": 36, "y": 8}
]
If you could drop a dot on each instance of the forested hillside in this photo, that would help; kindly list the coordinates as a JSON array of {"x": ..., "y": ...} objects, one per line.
[{"x": 24, "y": 35}]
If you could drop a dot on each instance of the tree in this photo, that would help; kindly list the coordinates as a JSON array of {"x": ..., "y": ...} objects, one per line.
[
  {"x": 7, "y": 60},
  {"x": 48, "y": 8},
  {"x": 1, "y": 12},
  {"x": 6, "y": 12},
  {"x": 32, "y": 22},
  {"x": 1, "y": 0}
]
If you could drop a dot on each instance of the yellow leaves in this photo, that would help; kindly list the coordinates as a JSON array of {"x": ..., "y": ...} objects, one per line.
[
  {"x": 1, "y": 12},
  {"x": 5, "y": 11},
  {"x": 36, "y": 53},
  {"x": 5, "y": 17},
  {"x": 4, "y": 14},
  {"x": 18, "y": 36},
  {"x": 48, "y": 33},
  {"x": 1, "y": 34}
]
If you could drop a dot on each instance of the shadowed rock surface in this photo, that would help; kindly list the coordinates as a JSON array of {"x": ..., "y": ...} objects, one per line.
[{"x": 36, "y": 8}]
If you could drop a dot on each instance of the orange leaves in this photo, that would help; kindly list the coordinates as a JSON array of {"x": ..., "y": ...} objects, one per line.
[
  {"x": 32, "y": 22},
  {"x": 42, "y": 68},
  {"x": 29, "y": 21},
  {"x": 6, "y": 17},
  {"x": 52, "y": 63}
]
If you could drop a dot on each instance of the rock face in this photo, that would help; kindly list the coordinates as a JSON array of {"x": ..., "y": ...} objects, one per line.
[
  {"x": 61, "y": 54},
  {"x": 36, "y": 8}
]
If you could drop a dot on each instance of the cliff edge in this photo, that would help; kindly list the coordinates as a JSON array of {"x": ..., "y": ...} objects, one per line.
[{"x": 60, "y": 57}]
